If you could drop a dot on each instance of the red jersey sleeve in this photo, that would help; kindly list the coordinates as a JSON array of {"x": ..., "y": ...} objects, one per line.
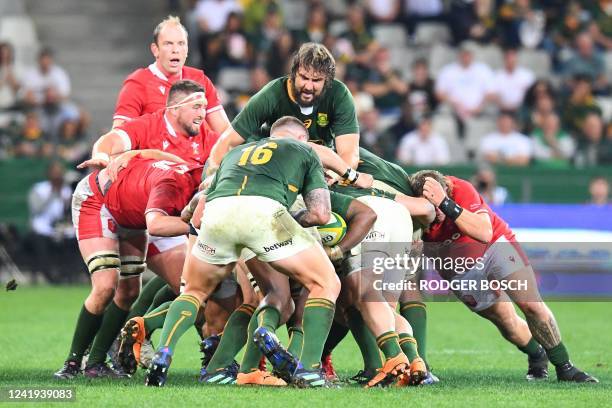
[
  {"x": 130, "y": 102},
  {"x": 467, "y": 197},
  {"x": 214, "y": 104},
  {"x": 165, "y": 197},
  {"x": 134, "y": 133}
]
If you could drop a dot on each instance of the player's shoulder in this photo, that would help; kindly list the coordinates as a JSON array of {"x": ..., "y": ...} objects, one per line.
[
  {"x": 275, "y": 87},
  {"x": 338, "y": 88},
  {"x": 462, "y": 188},
  {"x": 459, "y": 182},
  {"x": 145, "y": 120},
  {"x": 139, "y": 75},
  {"x": 195, "y": 74}
]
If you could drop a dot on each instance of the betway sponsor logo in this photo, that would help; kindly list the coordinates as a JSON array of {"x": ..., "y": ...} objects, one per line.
[{"x": 278, "y": 245}]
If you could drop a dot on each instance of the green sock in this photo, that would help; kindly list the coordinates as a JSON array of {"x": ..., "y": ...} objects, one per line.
[
  {"x": 165, "y": 294},
  {"x": 146, "y": 296},
  {"x": 388, "y": 342},
  {"x": 252, "y": 355},
  {"x": 233, "y": 339},
  {"x": 365, "y": 340},
  {"x": 337, "y": 333},
  {"x": 181, "y": 315},
  {"x": 532, "y": 349},
  {"x": 416, "y": 314},
  {"x": 86, "y": 328},
  {"x": 155, "y": 318},
  {"x": 268, "y": 317},
  {"x": 296, "y": 340},
  {"x": 409, "y": 346},
  {"x": 318, "y": 317},
  {"x": 114, "y": 318},
  {"x": 199, "y": 322},
  {"x": 558, "y": 355}
]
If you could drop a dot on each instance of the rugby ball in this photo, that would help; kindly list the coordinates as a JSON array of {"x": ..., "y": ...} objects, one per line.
[{"x": 332, "y": 232}]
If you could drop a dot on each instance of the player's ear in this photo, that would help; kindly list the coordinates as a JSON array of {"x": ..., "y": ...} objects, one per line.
[{"x": 154, "y": 50}]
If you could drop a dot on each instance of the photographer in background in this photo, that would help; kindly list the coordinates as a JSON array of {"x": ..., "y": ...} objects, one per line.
[
  {"x": 485, "y": 182},
  {"x": 51, "y": 238}
]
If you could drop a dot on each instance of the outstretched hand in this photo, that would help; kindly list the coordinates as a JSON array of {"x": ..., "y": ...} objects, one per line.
[{"x": 93, "y": 163}]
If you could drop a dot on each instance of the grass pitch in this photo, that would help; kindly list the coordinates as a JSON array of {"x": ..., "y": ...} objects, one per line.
[{"x": 475, "y": 365}]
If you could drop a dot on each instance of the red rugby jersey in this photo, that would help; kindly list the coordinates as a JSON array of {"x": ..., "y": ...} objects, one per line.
[
  {"x": 153, "y": 131},
  {"x": 146, "y": 90},
  {"x": 447, "y": 232},
  {"x": 150, "y": 185}
]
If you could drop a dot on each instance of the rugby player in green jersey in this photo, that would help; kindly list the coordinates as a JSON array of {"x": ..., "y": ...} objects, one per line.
[
  {"x": 312, "y": 94},
  {"x": 247, "y": 207},
  {"x": 362, "y": 294},
  {"x": 391, "y": 178}
]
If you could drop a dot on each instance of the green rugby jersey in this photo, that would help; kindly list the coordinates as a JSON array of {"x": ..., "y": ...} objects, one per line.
[
  {"x": 356, "y": 192},
  {"x": 340, "y": 203},
  {"x": 279, "y": 169},
  {"x": 382, "y": 170},
  {"x": 332, "y": 115}
]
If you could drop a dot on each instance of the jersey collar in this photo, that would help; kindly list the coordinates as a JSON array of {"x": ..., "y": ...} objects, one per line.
[
  {"x": 169, "y": 127},
  {"x": 158, "y": 73}
]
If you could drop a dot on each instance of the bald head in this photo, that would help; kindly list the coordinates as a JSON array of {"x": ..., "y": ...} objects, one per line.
[{"x": 289, "y": 127}]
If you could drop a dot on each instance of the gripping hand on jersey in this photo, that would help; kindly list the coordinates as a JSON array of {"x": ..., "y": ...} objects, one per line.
[{"x": 433, "y": 191}]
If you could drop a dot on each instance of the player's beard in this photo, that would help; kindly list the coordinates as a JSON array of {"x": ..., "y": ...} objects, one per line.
[
  {"x": 189, "y": 128},
  {"x": 298, "y": 97}
]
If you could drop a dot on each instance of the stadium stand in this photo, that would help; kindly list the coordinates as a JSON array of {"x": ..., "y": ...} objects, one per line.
[{"x": 99, "y": 43}]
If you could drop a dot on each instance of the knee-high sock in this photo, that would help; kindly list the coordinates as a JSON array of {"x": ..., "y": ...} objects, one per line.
[
  {"x": 114, "y": 318},
  {"x": 163, "y": 295},
  {"x": 147, "y": 294},
  {"x": 234, "y": 336},
  {"x": 416, "y": 314},
  {"x": 318, "y": 317},
  {"x": 86, "y": 328},
  {"x": 365, "y": 340},
  {"x": 180, "y": 318},
  {"x": 337, "y": 333}
]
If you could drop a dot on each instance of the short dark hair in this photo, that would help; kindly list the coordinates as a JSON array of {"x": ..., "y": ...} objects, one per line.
[
  {"x": 417, "y": 180},
  {"x": 45, "y": 52},
  {"x": 509, "y": 113},
  {"x": 287, "y": 121},
  {"x": 420, "y": 61},
  {"x": 316, "y": 57},
  {"x": 182, "y": 88},
  {"x": 168, "y": 20}
]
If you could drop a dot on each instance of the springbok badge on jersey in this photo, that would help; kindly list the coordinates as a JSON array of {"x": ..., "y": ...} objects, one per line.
[{"x": 322, "y": 119}]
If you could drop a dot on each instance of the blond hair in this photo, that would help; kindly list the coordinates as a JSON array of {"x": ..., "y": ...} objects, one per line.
[{"x": 174, "y": 20}]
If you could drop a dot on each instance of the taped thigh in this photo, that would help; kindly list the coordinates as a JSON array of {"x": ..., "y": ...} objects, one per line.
[
  {"x": 107, "y": 259},
  {"x": 132, "y": 266}
]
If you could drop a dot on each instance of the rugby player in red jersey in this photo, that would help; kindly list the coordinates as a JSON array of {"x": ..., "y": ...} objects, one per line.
[
  {"x": 145, "y": 91},
  {"x": 111, "y": 220},
  {"x": 466, "y": 227},
  {"x": 177, "y": 129}
]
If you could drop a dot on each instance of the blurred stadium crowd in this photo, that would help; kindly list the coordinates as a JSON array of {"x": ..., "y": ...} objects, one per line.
[
  {"x": 507, "y": 81},
  {"x": 436, "y": 82}
]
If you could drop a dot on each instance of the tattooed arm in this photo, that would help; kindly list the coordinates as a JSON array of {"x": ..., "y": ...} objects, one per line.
[{"x": 318, "y": 208}]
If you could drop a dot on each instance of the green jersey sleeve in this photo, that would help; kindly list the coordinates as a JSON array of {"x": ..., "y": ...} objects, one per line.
[
  {"x": 340, "y": 203},
  {"x": 345, "y": 116},
  {"x": 257, "y": 111}
]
